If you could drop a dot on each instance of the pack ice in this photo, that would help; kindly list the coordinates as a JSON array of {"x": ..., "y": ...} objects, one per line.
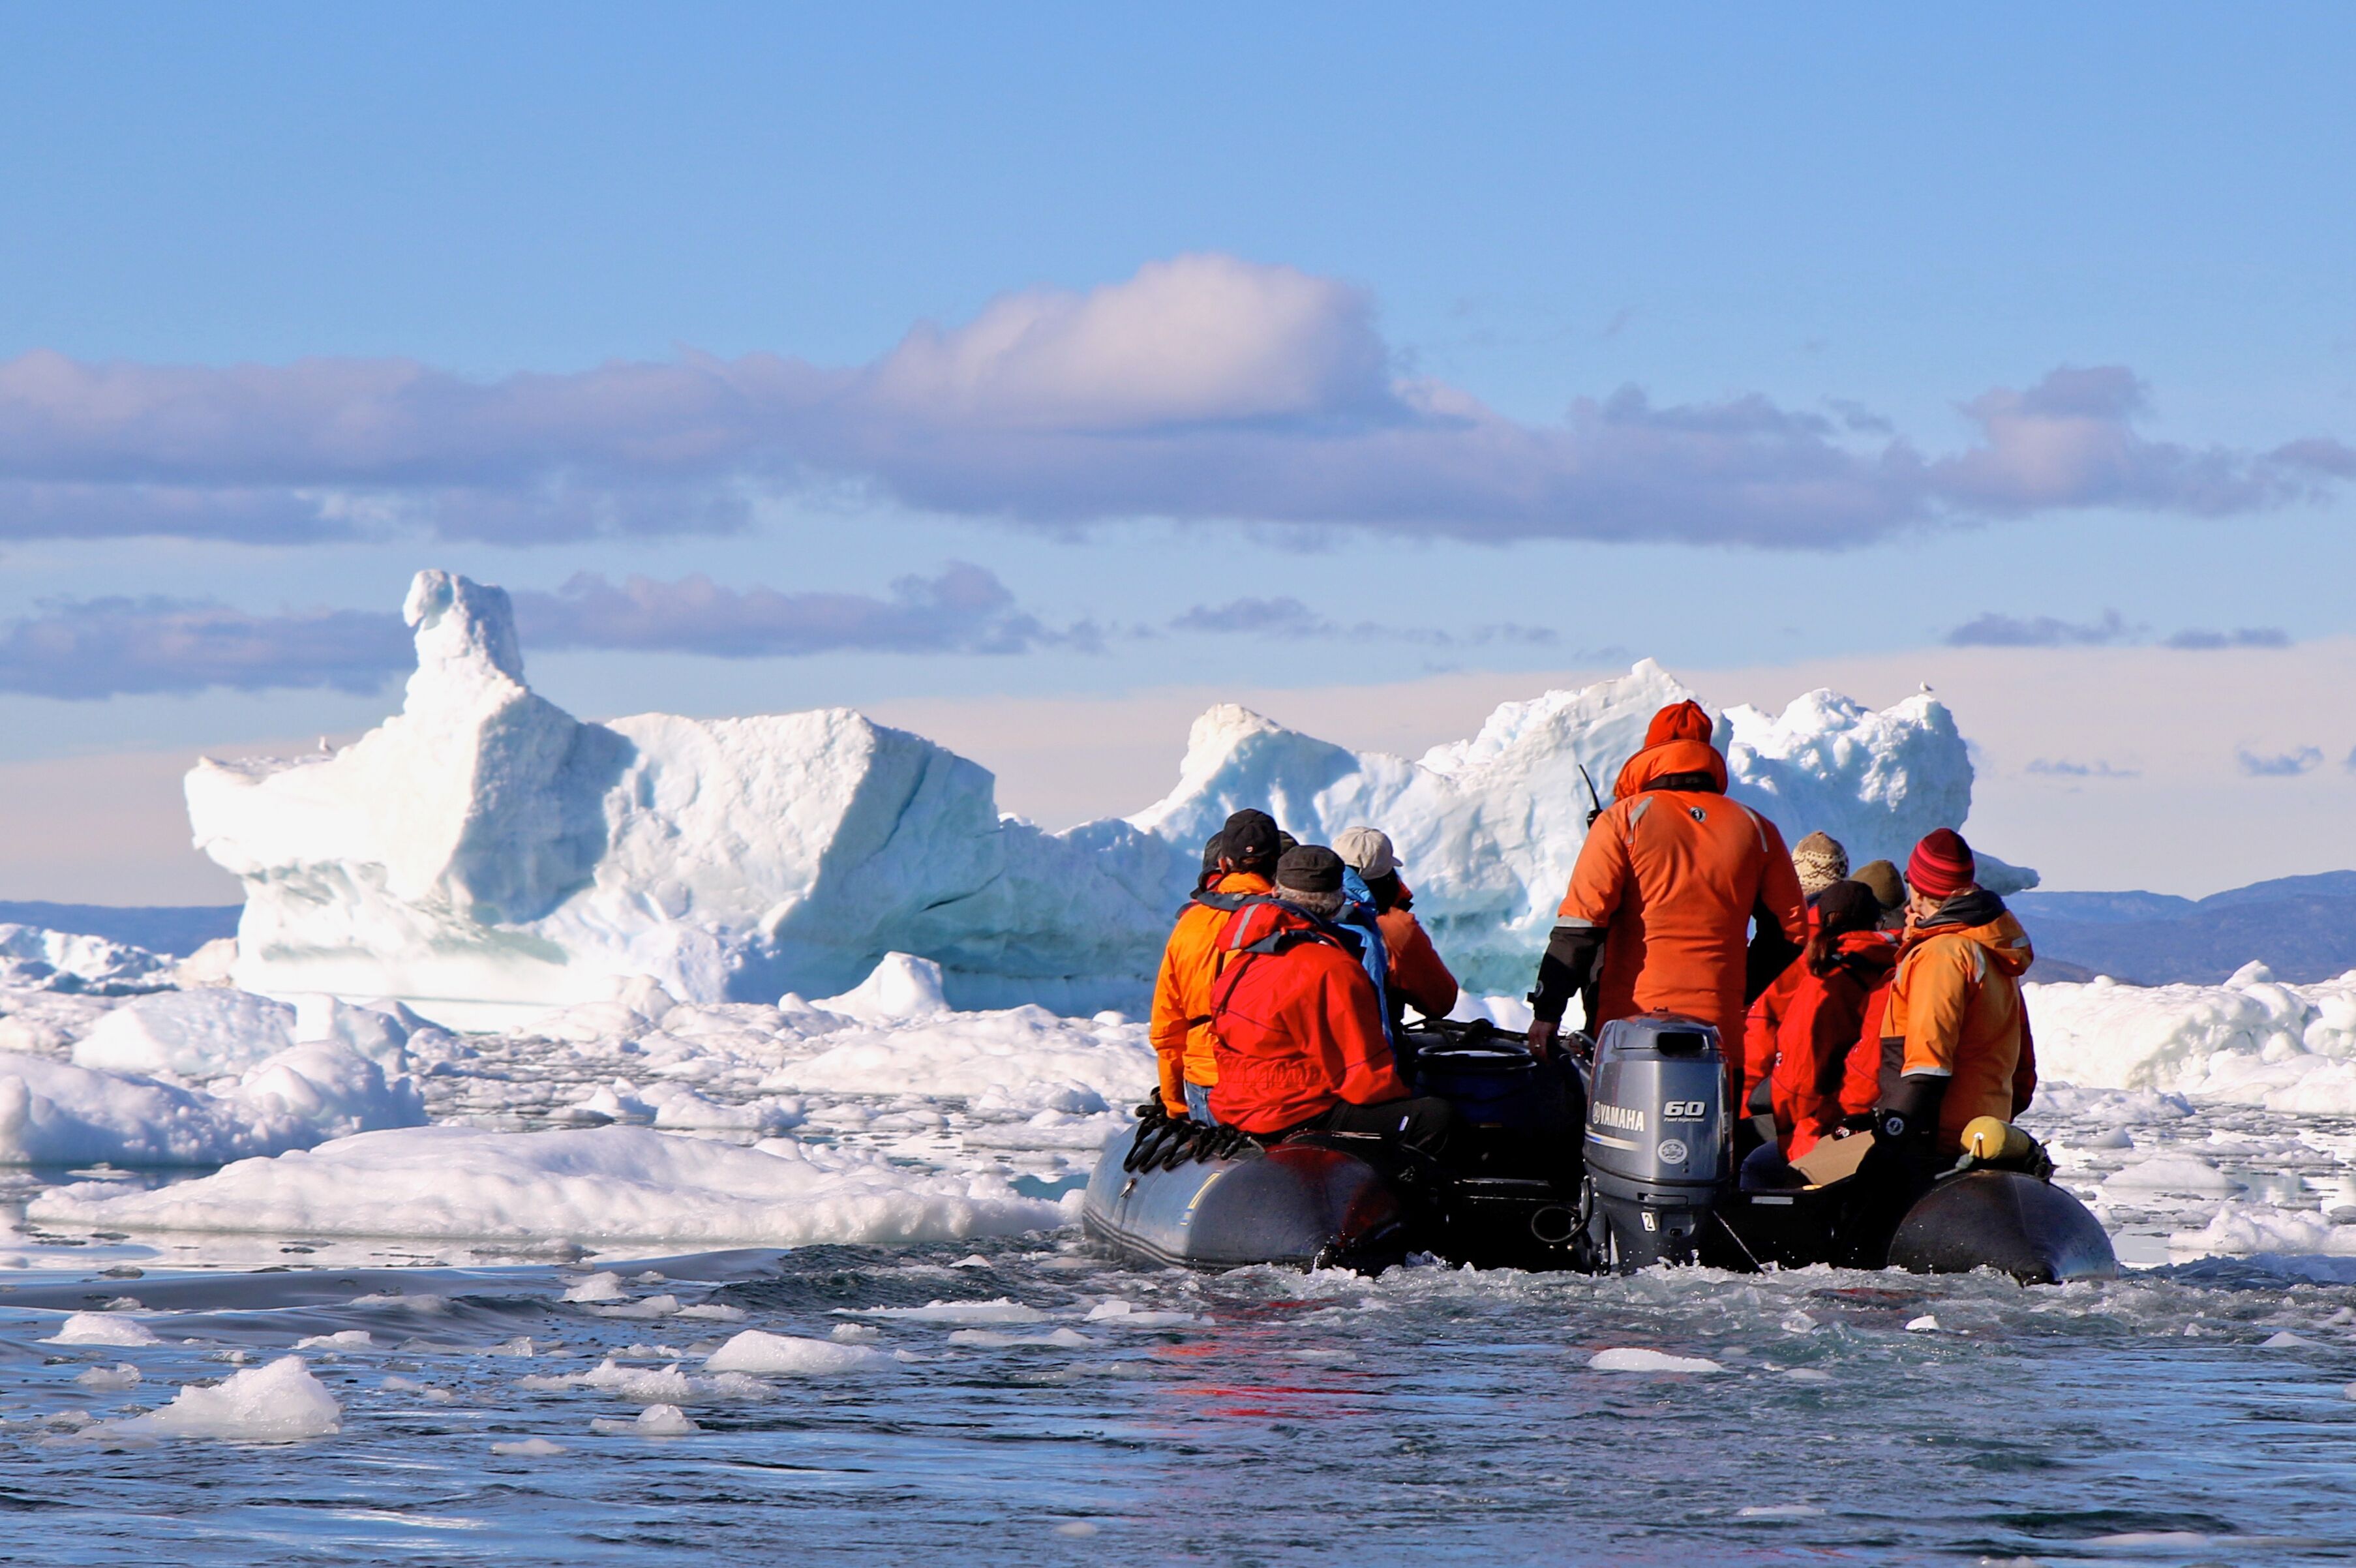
[{"x": 484, "y": 856}]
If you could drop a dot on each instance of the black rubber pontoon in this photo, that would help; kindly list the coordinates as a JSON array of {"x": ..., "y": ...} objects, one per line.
[
  {"x": 2005, "y": 1220},
  {"x": 1297, "y": 1204}
]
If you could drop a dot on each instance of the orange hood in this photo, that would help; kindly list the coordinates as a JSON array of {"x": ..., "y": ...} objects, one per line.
[{"x": 1655, "y": 763}]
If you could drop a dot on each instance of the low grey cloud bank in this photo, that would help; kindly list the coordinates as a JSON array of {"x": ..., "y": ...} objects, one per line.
[
  {"x": 2198, "y": 640},
  {"x": 2063, "y": 768},
  {"x": 116, "y": 647},
  {"x": 2279, "y": 764},
  {"x": 1202, "y": 388},
  {"x": 1285, "y": 617},
  {"x": 93, "y": 649},
  {"x": 1993, "y": 630},
  {"x": 965, "y": 609}
]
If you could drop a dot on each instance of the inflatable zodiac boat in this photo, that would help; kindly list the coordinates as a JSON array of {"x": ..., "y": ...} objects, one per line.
[{"x": 1609, "y": 1159}]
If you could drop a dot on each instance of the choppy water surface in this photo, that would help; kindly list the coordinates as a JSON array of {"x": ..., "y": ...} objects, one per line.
[{"x": 1428, "y": 1414}]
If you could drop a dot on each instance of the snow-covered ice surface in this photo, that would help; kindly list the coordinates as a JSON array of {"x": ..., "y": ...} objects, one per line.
[{"x": 484, "y": 855}]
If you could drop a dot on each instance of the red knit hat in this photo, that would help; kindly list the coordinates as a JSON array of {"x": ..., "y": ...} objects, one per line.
[
  {"x": 1679, "y": 721},
  {"x": 1942, "y": 864}
]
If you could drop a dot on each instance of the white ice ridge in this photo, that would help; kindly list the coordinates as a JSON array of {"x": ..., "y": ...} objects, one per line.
[
  {"x": 2251, "y": 1039},
  {"x": 612, "y": 1184},
  {"x": 483, "y": 855}
]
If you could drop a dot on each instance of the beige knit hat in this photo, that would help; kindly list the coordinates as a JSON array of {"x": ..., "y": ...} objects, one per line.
[{"x": 1820, "y": 861}]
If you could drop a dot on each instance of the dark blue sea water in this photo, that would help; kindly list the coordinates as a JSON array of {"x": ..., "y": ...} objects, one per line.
[{"x": 1427, "y": 1416}]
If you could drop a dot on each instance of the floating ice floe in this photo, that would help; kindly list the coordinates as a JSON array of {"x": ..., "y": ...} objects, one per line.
[
  {"x": 53, "y": 1113},
  {"x": 604, "y": 1184},
  {"x": 102, "y": 1328},
  {"x": 788, "y": 1355},
  {"x": 483, "y": 855},
  {"x": 1631, "y": 1359},
  {"x": 280, "y": 1402},
  {"x": 2246, "y": 1228}
]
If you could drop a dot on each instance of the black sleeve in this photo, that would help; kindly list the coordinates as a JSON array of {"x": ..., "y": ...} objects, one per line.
[
  {"x": 1567, "y": 969},
  {"x": 1771, "y": 954},
  {"x": 1910, "y": 1111}
]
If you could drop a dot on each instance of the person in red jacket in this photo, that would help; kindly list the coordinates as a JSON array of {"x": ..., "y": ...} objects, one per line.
[
  {"x": 1833, "y": 1018},
  {"x": 1666, "y": 894},
  {"x": 1821, "y": 861},
  {"x": 1417, "y": 977},
  {"x": 1295, "y": 1024}
]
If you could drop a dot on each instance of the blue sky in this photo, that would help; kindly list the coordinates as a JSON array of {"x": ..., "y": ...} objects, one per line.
[{"x": 1351, "y": 345}]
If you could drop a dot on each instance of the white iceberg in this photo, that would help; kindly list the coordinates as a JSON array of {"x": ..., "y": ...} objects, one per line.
[
  {"x": 483, "y": 856},
  {"x": 36, "y": 959}
]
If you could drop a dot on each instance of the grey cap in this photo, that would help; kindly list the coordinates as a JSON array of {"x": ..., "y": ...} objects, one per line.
[{"x": 1366, "y": 851}]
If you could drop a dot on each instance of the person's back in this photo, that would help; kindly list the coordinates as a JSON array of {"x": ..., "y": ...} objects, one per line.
[
  {"x": 1669, "y": 884},
  {"x": 1180, "y": 1026},
  {"x": 1296, "y": 1026}
]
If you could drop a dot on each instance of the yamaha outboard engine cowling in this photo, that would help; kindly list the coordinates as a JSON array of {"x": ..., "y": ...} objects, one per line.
[{"x": 1660, "y": 1142}]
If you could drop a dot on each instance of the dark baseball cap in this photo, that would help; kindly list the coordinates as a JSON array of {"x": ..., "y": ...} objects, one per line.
[
  {"x": 1250, "y": 838},
  {"x": 1310, "y": 868}
]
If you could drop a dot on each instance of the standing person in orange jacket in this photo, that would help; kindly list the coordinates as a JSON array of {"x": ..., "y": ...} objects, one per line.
[
  {"x": 1417, "y": 977},
  {"x": 1181, "y": 1027},
  {"x": 1297, "y": 1029},
  {"x": 1956, "y": 1040},
  {"x": 1671, "y": 880},
  {"x": 1833, "y": 1017}
]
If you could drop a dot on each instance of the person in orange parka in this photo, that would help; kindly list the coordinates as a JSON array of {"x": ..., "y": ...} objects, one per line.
[
  {"x": 1665, "y": 893},
  {"x": 1833, "y": 1017},
  {"x": 1296, "y": 1026},
  {"x": 1956, "y": 1029},
  {"x": 1181, "y": 1027}
]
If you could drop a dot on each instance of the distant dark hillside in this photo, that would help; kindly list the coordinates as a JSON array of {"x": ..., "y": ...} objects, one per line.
[
  {"x": 2302, "y": 928},
  {"x": 174, "y": 930}
]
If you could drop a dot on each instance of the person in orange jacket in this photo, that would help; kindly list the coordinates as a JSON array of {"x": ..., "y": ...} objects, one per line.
[
  {"x": 1833, "y": 1017},
  {"x": 1181, "y": 1027},
  {"x": 1417, "y": 977},
  {"x": 1665, "y": 893},
  {"x": 1295, "y": 1024},
  {"x": 1956, "y": 1040}
]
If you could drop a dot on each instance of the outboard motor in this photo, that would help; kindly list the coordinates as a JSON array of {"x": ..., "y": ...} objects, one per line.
[{"x": 1660, "y": 1142}]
